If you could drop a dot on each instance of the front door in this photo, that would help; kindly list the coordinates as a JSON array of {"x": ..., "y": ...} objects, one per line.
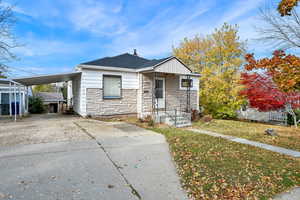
[{"x": 160, "y": 93}]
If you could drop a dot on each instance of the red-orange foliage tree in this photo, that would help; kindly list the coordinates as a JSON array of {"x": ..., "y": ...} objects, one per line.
[
  {"x": 264, "y": 95},
  {"x": 284, "y": 69}
]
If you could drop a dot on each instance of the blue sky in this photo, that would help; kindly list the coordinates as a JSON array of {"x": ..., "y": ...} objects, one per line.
[{"x": 59, "y": 34}]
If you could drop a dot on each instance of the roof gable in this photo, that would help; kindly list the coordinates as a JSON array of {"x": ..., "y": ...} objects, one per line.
[{"x": 172, "y": 65}]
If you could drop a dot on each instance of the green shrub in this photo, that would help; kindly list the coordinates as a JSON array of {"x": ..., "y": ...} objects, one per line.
[
  {"x": 35, "y": 105},
  {"x": 224, "y": 112}
]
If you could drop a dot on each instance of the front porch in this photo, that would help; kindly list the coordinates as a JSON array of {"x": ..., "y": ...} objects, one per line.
[{"x": 169, "y": 97}]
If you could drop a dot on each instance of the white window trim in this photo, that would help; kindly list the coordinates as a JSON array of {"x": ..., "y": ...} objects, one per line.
[
  {"x": 121, "y": 87},
  {"x": 185, "y": 88}
]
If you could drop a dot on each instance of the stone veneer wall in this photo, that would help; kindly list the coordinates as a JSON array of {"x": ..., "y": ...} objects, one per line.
[
  {"x": 174, "y": 96},
  {"x": 97, "y": 106}
]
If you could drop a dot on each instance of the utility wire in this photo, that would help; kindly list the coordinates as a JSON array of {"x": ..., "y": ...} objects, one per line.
[{"x": 15, "y": 68}]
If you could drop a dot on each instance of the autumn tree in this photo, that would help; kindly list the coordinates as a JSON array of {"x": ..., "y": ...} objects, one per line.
[
  {"x": 218, "y": 58},
  {"x": 44, "y": 88},
  {"x": 285, "y": 7},
  {"x": 263, "y": 94},
  {"x": 284, "y": 69}
]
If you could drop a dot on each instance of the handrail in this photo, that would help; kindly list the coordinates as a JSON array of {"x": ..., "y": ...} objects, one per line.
[{"x": 175, "y": 113}]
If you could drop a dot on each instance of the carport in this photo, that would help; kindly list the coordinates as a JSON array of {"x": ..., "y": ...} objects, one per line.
[{"x": 46, "y": 79}]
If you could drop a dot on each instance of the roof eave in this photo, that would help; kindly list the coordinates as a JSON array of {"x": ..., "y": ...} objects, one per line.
[
  {"x": 145, "y": 69},
  {"x": 108, "y": 68}
]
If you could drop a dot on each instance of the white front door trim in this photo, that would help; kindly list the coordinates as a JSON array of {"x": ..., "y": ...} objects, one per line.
[{"x": 161, "y": 102}]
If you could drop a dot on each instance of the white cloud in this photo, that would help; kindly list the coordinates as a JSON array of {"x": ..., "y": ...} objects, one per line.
[
  {"x": 41, "y": 47},
  {"x": 96, "y": 17},
  {"x": 241, "y": 8},
  {"x": 154, "y": 38},
  {"x": 166, "y": 29}
]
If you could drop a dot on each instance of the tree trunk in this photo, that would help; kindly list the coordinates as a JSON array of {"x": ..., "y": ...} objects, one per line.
[
  {"x": 295, "y": 120},
  {"x": 289, "y": 109}
]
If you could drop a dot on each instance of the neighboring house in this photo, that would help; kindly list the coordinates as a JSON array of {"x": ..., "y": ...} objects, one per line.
[
  {"x": 128, "y": 84},
  {"x": 12, "y": 98},
  {"x": 53, "y": 101}
]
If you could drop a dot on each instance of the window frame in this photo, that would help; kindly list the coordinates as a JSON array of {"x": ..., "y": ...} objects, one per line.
[
  {"x": 191, "y": 83},
  {"x": 113, "y": 76}
]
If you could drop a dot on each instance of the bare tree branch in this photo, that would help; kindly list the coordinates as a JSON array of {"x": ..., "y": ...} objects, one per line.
[
  {"x": 7, "y": 38},
  {"x": 280, "y": 32}
]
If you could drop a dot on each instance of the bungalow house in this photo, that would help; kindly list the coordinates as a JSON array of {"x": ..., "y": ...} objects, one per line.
[{"x": 127, "y": 84}]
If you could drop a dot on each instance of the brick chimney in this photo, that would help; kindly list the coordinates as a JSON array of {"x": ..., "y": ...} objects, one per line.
[{"x": 135, "y": 52}]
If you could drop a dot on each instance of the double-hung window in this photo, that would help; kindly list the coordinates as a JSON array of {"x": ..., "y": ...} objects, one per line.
[{"x": 112, "y": 86}]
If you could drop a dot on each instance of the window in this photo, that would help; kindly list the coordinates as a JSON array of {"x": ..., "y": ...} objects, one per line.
[
  {"x": 111, "y": 87},
  {"x": 186, "y": 82}
]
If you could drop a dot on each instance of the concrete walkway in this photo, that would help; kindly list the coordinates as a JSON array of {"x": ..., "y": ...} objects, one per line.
[{"x": 288, "y": 152}]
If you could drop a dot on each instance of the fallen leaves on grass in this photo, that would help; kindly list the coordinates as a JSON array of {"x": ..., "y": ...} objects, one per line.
[
  {"x": 213, "y": 168},
  {"x": 288, "y": 137}
]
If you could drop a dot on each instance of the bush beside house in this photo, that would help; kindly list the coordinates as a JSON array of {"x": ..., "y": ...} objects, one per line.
[{"x": 36, "y": 105}]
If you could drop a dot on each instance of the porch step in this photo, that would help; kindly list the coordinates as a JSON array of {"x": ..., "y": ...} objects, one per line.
[
  {"x": 183, "y": 125},
  {"x": 181, "y": 121}
]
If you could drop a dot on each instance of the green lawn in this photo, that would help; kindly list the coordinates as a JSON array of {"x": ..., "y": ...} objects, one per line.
[
  {"x": 289, "y": 137},
  {"x": 214, "y": 168}
]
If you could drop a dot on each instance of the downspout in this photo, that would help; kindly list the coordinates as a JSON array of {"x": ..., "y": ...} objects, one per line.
[{"x": 142, "y": 96}]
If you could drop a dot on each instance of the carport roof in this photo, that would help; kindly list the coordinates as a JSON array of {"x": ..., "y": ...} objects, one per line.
[
  {"x": 7, "y": 81},
  {"x": 46, "y": 79}
]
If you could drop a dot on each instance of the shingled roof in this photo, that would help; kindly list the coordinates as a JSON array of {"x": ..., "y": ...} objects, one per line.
[
  {"x": 125, "y": 60},
  {"x": 50, "y": 96}
]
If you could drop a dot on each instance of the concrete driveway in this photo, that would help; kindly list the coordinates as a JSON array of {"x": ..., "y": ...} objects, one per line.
[{"x": 67, "y": 157}]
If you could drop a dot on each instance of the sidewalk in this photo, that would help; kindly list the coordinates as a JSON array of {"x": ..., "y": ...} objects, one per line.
[
  {"x": 288, "y": 152},
  {"x": 293, "y": 194}
]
